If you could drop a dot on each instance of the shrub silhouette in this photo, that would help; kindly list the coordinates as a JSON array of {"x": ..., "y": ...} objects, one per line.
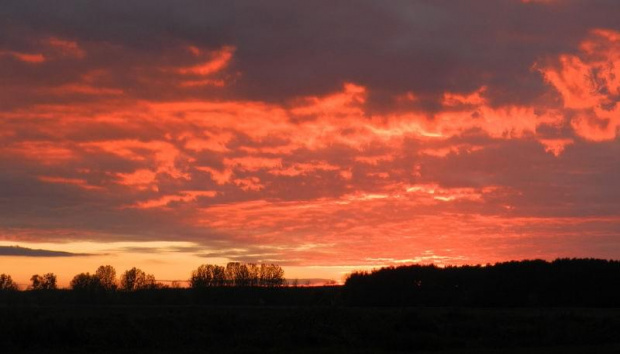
[
  {"x": 238, "y": 275},
  {"x": 135, "y": 279},
  {"x": 7, "y": 283},
  {"x": 43, "y": 282}
]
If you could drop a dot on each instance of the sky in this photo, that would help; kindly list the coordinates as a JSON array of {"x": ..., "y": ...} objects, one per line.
[{"x": 323, "y": 136}]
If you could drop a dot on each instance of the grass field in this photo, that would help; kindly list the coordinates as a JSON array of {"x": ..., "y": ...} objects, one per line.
[{"x": 305, "y": 329}]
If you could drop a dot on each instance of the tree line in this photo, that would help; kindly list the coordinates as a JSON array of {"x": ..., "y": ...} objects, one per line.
[
  {"x": 234, "y": 274},
  {"x": 562, "y": 282},
  {"x": 237, "y": 274}
]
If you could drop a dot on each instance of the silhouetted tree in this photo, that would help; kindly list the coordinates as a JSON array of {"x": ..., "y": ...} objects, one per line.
[
  {"x": 107, "y": 277},
  {"x": 254, "y": 274},
  {"x": 86, "y": 282},
  {"x": 136, "y": 279},
  {"x": 271, "y": 275},
  {"x": 44, "y": 282},
  {"x": 238, "y": 275},
  {"x": 232, "y": 270},
  {"x": 219, "y": 276},
  {"x": 208, "y": 275},
  {"x": 7, "y": 283}
]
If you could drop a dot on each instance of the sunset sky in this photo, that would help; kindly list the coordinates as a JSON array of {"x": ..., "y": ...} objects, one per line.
[{"x": 324, "y": 136}]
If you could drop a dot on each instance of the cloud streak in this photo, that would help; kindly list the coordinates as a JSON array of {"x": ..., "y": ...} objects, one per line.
[{"x": 16, "y": 251}]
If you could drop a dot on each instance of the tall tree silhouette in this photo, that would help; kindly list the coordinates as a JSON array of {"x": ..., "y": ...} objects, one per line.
[
  {"x": 135, "y": 279},
  {"x": 7, "y": 283},
  {"x": 254, "y": 274},
  {"x": 208, "y": 275},
  {"x": 43, "y": 282},
  {"x": 107, "y": 277},
  {"x": 271, "y": 275}
]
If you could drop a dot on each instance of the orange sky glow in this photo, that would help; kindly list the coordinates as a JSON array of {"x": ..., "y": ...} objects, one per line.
[{"x": 410, "y": 132}]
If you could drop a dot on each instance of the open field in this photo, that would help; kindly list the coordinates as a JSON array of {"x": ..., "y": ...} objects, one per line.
[
  {"x": 149, "y": 328},
  {"x": 516, "y": 307}
]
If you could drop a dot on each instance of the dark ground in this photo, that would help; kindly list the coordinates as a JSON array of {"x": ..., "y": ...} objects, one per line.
[
  {"x": 564, "y": 306},
  {"x": 315, "y": 329}
]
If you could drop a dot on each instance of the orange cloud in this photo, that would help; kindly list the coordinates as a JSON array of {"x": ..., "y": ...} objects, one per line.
[
  {"x": 556, "y": 146},
  {"x": 219, "y": 177},
  {"x": 304, "y": 168},
  {"x": 249, "y": 184},
  {"x": 181, "y": 197},
  {"x": 142, "y": 179},
  {"x": 66, "y": 47},
  {"x": 160, "y": 153},
  {"x": 37, "y": 58},
  {"x": 218, "y": 60},
  {"x": 86, "y": 90},
  {"x": 46, "y": 153},
  {"x": 72, "y": 181},
  {"x": 589, "y": 85}
]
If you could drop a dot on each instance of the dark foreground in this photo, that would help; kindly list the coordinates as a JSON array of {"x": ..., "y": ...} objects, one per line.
[{"x": 311, "y": 329}]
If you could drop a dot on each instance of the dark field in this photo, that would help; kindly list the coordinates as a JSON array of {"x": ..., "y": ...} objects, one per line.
[
  {"x": 117, "y": 328},
  {"x": 567, "y": 306}
]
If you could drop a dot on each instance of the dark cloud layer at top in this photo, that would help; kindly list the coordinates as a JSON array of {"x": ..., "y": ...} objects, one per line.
[{"x": 287, "y": 49}]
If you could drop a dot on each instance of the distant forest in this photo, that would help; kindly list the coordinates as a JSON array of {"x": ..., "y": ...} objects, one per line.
[
  {"x": 563, "y": 282},
  {"x": 564, "y": 306}
]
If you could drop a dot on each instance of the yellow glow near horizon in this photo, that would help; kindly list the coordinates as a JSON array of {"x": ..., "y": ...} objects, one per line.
[{"x": 164, "y": 262}]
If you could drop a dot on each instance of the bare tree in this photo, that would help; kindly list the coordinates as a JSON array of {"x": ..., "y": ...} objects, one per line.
[
  {"x": 232, "y": 271},
  {"x": 243, "y": 277},
  {"x": 271, "y": 275},
  {"x": 219, "y": 276},
  {"x": 254, "y": 274},
  {"x": 208, "y": 275},
  {"x": 202, "y": 277}
]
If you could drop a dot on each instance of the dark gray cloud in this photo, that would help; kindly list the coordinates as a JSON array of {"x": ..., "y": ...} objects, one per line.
[{"x": 29, "y": 252}]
